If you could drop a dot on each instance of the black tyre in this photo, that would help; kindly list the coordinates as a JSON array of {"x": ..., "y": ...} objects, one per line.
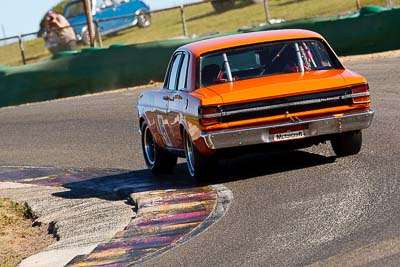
[
  {"x": 346, "y": 144},
  {"x": 157, "y": 159},
  {"x": 223, "y": 5},
  {"x": 201, "y": 167},
  {"x": 144, "y": 19}
]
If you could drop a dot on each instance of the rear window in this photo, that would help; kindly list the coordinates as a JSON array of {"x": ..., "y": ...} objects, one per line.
[{"x": 264, "y": 60}]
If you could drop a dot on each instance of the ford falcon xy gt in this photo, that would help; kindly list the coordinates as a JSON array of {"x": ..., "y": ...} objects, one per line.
[{"x": 283, "y": 89}]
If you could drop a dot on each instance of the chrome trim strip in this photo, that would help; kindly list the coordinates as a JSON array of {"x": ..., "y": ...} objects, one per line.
[
  {"x": 297, "y": 103},
  {"x": 210, "y": 116},
  {"x": 350, "y": 121}
]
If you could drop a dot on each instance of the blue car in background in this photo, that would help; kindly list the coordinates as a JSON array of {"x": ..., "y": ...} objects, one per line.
[{"x": 104, "y": 11}]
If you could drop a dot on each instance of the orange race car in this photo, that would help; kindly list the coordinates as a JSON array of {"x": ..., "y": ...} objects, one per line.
[{"x": 285, "y": 89}]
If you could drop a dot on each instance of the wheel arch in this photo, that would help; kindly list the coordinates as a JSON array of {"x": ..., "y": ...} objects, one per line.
[
  {"x": 157, "y": 140},
  {"x": 141, "y": 121},
  {"x": 140, "y": 10}
]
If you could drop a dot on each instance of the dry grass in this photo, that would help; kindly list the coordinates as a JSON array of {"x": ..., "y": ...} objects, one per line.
[
  {"x": 201, "y": 19},
  {"x": 18, "y": 239}
]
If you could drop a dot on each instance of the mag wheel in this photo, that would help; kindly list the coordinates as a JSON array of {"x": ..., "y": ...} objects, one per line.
[
  {"x": 144, "y": 19},
  {"x": 200, "y": 166},
  {"x": 157, "y": 159},
  {"x": 346, "y": 144}
]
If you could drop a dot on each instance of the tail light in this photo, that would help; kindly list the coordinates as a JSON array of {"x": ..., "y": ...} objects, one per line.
[
  {"x": 209, "y": 115},
  {"x": 361, "y": 94}
]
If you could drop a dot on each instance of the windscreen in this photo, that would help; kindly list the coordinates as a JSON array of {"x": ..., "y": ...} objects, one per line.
[
  {"x": 74, "y": 10},
  {"x": 264, "y": 60}
]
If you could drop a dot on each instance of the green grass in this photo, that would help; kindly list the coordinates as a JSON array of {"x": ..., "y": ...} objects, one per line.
[{"x": 201, "y": 19}]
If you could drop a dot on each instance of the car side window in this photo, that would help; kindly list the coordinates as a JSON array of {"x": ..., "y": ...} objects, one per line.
[
  {"x": 183, "y": 72},
  {"x": 173, "y": 74},
  {"x": 101, "y": 4}
]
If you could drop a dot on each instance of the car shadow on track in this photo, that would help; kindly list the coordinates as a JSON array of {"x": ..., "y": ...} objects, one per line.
[
  {"x": 122, "y": 183},
  {"x": 253, "y": 165}
]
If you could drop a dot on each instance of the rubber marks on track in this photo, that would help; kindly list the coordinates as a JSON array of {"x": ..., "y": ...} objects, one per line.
[
  {"x": 165, "y": 219},
  {"x": 169, "y": 211}
]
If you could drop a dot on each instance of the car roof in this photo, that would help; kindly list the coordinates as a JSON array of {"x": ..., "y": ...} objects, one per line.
[{"x": 219, "y": 43}]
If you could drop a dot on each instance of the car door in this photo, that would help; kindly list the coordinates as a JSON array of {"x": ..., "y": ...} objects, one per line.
[
  {"x": 125, "y": 8},
  {"x": 165, "y": 97},
  {"x": 177, "y": 102},
  {"x": 104, "y": 10},
  {"x": 108, "y": 10}
]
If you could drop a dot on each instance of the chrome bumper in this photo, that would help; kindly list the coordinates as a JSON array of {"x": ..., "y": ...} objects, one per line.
[{"x": 315, "y": 127}]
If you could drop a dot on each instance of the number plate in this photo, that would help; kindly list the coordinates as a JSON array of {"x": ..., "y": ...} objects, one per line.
[{"x": 289, "y": 136}]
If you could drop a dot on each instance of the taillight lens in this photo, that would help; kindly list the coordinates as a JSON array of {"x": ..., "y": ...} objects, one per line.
[
  {"x": 361, "y": 94},
  {"x": 209, "y": 115}
]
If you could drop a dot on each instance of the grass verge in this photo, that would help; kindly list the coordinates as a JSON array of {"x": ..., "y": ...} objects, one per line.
[{"x": 18, "y": 239}]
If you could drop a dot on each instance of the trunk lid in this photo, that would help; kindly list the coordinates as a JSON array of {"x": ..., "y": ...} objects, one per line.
[{"x": 279, "y": 86}]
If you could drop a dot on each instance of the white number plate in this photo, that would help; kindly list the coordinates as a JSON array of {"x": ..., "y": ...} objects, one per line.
[{"x": 289, "y": 136}]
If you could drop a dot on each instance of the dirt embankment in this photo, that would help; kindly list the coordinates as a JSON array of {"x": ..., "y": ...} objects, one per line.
[{"x": 18, "y": 238}]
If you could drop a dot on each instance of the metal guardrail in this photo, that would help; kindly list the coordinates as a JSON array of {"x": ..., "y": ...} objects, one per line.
[
  {"x": 182, "y": 15},
  {"x": 97, "y": 22}
]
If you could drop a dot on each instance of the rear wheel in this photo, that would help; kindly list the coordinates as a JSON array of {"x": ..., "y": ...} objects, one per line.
[
  {"x": 223, "y": 5},
  {"x": 200, "y": 166},
  {"x": 157, "y": 159},
  {"x": 346, "y": 144},
  {"x": 144, "y": 19}
]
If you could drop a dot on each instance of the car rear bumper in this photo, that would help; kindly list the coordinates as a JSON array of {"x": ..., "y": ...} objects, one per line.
[{"x": 318, "y": 126}]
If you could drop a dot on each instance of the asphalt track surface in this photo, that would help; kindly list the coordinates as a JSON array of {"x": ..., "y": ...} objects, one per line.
[{"x": 290, "y": 209}]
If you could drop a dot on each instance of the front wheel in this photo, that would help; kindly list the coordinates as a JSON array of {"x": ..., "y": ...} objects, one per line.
[
  {"x": 157, "y": 159},
  {"x": 144, "y": 19},
  {"x": 202, "y": 167},
  {"x": 346, "y": 144}
]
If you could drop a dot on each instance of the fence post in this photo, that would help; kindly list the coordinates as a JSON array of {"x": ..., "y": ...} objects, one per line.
[
  {"x": 4, "y": 33},
  {"x": 183, "y": 21},
  {"x": 88, "y": 11},
  {"x": 99, "y": 39},
  {"x": 358, "y": 4},
  {"x": 266, "y": 9},
  {"x": 21, "y": 48}
]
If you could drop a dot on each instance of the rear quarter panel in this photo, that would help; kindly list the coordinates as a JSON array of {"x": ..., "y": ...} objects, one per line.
[{"x": 148, "y": 109}]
